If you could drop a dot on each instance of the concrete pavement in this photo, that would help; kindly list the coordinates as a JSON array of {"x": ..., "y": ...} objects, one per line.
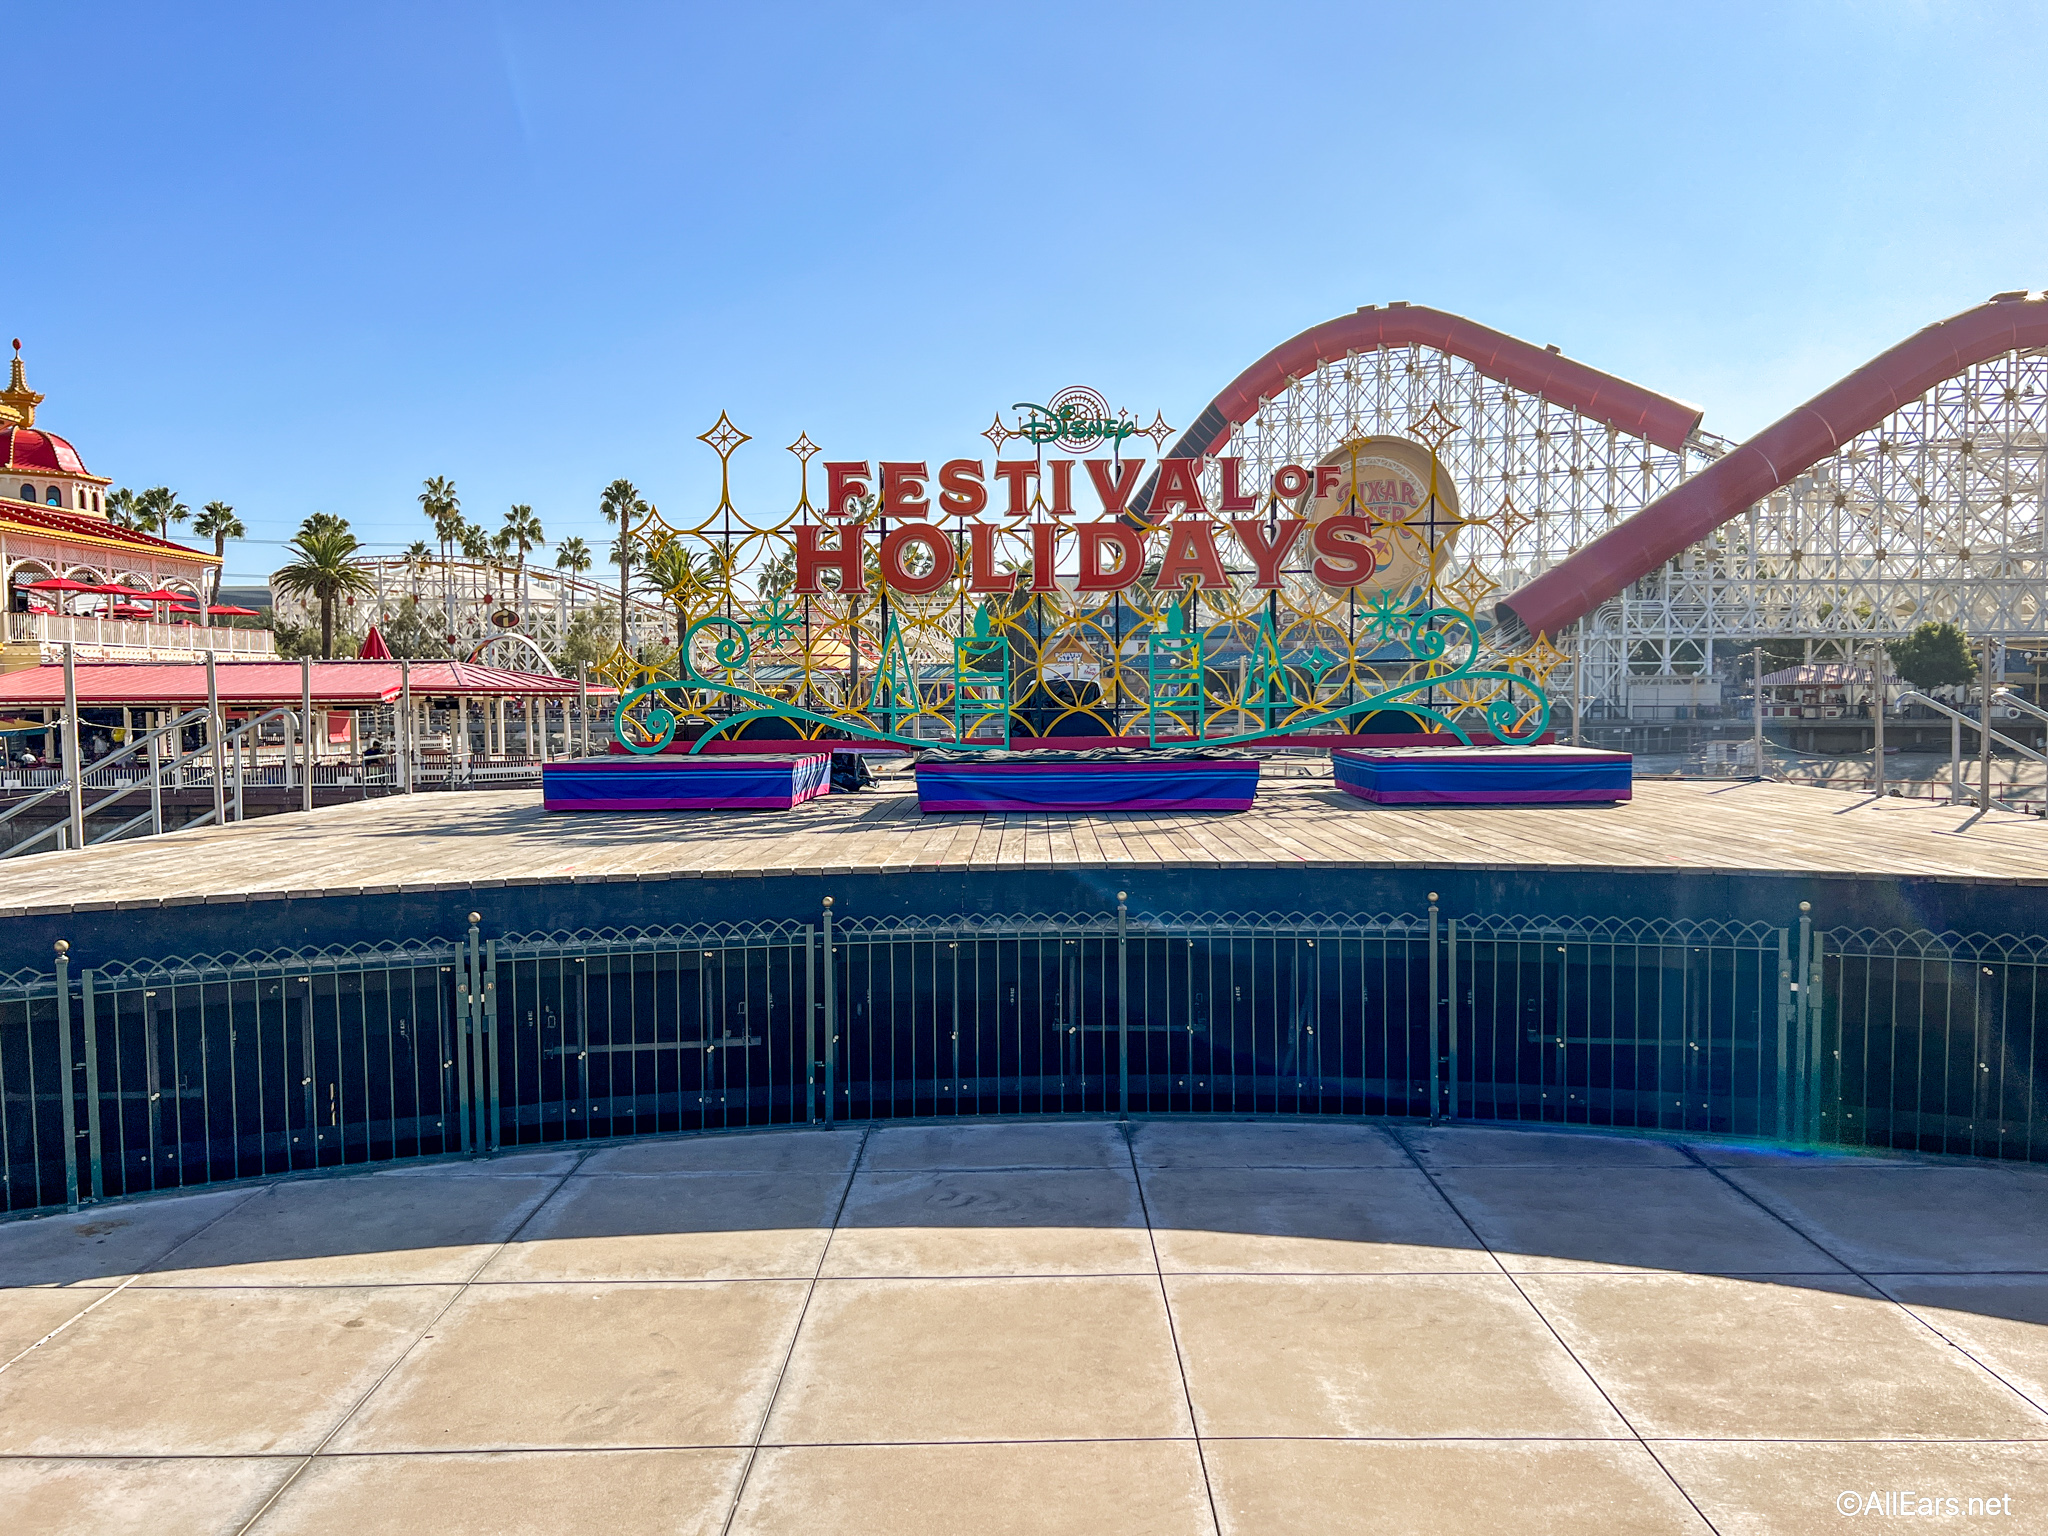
[{"x": 1042, "y": 1327}]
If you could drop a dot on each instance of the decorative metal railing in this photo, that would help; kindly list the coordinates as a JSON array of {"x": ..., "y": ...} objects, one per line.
[{"x": 139, "y": 1075}]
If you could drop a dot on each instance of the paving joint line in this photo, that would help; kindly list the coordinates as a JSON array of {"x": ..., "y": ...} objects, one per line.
[
  {"x": 1866, "y": 1276},
  {"x": 739, "y": 1490},
  {"x": 107, "y": 1296},
  {"x": 1172, "y": 1328},
  {"x": 406, "y": 1354},
  {"x": 1549, "y": 1327}
]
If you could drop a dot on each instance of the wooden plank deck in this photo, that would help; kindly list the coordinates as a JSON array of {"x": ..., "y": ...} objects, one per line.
[{"x": 450, "y": 841}]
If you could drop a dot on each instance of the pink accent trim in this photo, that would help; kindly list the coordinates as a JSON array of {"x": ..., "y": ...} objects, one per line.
[
  {"x": 1773, "y": 459},
  {"x": 1148, "y": 803},
  {"x": 1162, "y": 766},
  {"x": 1484, "y": 796},
  {"x": 680, "y": 803}
]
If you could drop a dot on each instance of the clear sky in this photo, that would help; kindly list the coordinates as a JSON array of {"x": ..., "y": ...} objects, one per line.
[{"x": 300, "y": 257}]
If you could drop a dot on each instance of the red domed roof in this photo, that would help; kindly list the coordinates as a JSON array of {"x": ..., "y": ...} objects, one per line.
[{"x": 32, "y": 448}]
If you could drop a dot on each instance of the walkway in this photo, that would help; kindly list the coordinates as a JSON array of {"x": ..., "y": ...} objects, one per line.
[
  {"x": 1253, "y": 1329},
  {"x": 443, "y": 842}
]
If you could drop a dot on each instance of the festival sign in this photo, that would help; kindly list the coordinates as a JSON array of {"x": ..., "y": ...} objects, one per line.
[{"x": 1075, "y": 586}]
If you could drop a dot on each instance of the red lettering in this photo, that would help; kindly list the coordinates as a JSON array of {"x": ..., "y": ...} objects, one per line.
[
  {"x": 1130, "y": 547},
  {"x": 893, "y": 572},
  {"x": 1115, "y": 494},
  {"x": 903, "y": 490},
  {"x": 1234, "y": 500},
  {"x": 1267, "y": 553},
  {"x": 1328, "y": 476},
  {"x": 1346, "y": 557},
  {"x": 1176, "y": 488},
  {"x": 1015, "y": 472},
  {"x": 982, "y": 575},
  {"x": 843, "y": 482},
  {"x": 812, "y": 559},
  {"x": 1045, "y": 576},
  {"x": 1191, "y": 551},
  {"x": 962, "y": 492},
  {"x": 1289, "y": 481},
  {"x": 1062, "y": 487}
]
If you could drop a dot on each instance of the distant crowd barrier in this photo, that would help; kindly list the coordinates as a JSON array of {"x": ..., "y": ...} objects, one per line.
[{"x": 122, "y": 1075}]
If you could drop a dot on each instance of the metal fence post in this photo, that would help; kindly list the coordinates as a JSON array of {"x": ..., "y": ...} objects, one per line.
[
  {"x": 487, "y": 1017},
  {"x": 1817, "y": 1077},
  {"x": 810, "y": 1022},
  {"x": 1784, "y": 1034},
  {"x": 156, "y": 775},
  {"x": 1802, "y": 1024},
  {"x": 831, "y": 1023},
  {"x": 1984, "y": 734},
  {"x": 74, "y": 754},
  {"x": 1451, "y": 1022},
  {"x": 465, "y": 1014},
  {"x": 66, "y": 1069},
  {"x": 215, "y": 756},
  {"x": 92, "y": 1085},
  {"x": 306, "y": 732},
  {"x": 1123, "y": 1008},
  {"x": 1435, "y": 1005}
]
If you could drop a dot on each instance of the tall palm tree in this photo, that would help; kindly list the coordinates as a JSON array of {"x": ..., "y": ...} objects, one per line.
[
  {"x": 323, "y": 568},
  {"x": 572, "y": 555},
  {"x": 622, "y": 506},
  {"x": 444, "y": 510},
  {"x": 522, "y": 531},
  {"x": 158, "y": 508},
  {"x": 217, "y": 521},
  {"x": 121, "y": 508}
]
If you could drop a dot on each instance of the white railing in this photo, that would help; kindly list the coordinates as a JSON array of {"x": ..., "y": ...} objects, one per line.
[{"x": 89, "y": 633}]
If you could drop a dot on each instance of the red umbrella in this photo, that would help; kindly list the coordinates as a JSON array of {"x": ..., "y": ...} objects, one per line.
[
  {"x": 229, "y": 611},
  {"x": 60, "y": 584},
  {"x": 114, "y": 589},
  {"x": 373, "y": 647},
  {"x": 161, "y": 596}
]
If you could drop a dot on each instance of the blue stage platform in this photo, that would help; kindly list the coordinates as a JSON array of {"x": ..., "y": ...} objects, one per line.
[
  {"x": 1548, "y": 775},
  {"x": 663, "y": 783},
  {"x": 1085, "y": 781}
]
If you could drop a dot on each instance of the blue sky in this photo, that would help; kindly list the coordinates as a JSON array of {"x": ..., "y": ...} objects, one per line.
[{"x": 299, "y": 257}]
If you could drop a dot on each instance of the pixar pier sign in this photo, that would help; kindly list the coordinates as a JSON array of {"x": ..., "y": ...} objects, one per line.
[{"x": 1374, "y": 512}]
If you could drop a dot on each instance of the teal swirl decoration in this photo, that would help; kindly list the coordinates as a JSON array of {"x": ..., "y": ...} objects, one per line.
[{"x": 1417, "y": 627}]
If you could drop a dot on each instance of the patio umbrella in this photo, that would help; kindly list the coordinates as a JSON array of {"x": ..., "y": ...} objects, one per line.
[
  {"x": 373, "y": 647},
  {"x": 161, "y": 596},
  {"x": 230, "y": 611},
  {"x": 59, "y": 584}
]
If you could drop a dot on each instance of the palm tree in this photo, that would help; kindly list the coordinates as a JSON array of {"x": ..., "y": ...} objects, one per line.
[
  {"x": 217, "y": 521},
  {"x": 476, "y": 544},
  {"x": 419, "y": 554},
  {"x": 622, "y": 507},
  {"x": 323, "y": 568},
  {"x": 121, "y": 508},
  {"x": 444, "y": 510},
  {"x": 158, "y": 508},
  {"x": 674, "y": 573},
  {"x": 572, "y": 555}
]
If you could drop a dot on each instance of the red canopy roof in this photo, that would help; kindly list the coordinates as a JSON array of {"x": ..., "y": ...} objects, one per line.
[{"x": 336, "y": 684}]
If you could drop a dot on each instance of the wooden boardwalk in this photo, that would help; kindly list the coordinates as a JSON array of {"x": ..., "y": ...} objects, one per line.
[{"x": 456, "y": 841}]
